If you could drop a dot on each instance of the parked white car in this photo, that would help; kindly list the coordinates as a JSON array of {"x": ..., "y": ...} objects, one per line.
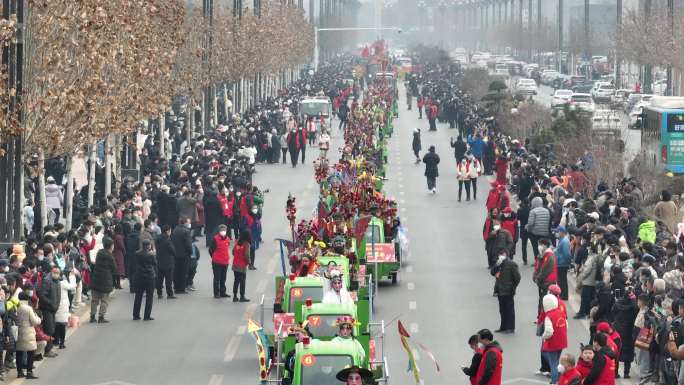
[{"x": 561, "y": 98}]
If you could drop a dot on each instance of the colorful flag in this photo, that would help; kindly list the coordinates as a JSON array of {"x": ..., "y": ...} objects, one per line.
[
  {"x": 412, "y": 365},
  {"x": 262, "y": 346},
  {"x": 406, "y": 343}
]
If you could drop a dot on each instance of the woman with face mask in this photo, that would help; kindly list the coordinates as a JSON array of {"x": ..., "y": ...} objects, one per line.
[
  {"x": 251, "y": 222},
  {"x": 569, "y": 375}
]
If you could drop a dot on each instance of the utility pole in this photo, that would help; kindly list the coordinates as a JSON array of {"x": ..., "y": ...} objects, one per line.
[
  {"x": 539, "y": 27},
  {"x": 12, "y": 163},
  {"x": 648, "y": 69},
  {"x": 560, "y": 36},
  {"x": 587, "y": 49},
  {"x": 670, "y": 17},
  {"x": 529, "y": 29},
  {"x": 618, "y": 58},
  {"x": 208, "y": 100}
]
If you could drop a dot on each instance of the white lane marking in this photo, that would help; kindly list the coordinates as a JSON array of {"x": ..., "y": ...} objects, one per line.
[
  {"x": 231, "y": 348},
  {"x": 409, "y": 269},
  {"x": 411, "y": 286},
  {"x": 401, "y": 193},
  {"x": 241, "y": 330},
  {"x": 403, "y": 209},
  {"x": 249, "y": 312},
  {"x": 523, "y": 381},
  {"x": 402, "y": 201},
  {"x": 272, "y": 264},
  {"x": 216, "y": 379},
  {"x": 401, "y": 186},
  {"x": 412, "y": 305},
  {"x": 261, "y": 286},
  {"x": 414, "y": 327}
]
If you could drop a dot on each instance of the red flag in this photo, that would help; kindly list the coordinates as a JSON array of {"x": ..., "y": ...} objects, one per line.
[
  {"x": 402, "y": 330},
  {"x": 360, "y": 228},
  {"x": 365, "y": 53}
]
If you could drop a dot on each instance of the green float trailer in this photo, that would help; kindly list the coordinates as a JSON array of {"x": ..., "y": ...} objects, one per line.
[
  {"x": 317, "y": 360},
  {"x": 382, "y": 260}
]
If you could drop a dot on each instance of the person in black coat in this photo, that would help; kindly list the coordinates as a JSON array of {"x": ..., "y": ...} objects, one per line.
[
  {"x": 213, "y": 214},
  {"x": 182, "y": 243},
  {"x": 102, "y": 280},
  {"x": 132, "y": 247},
  {"x": 471, "y": 371},
  {"x": 167, "y": 208},
  {"x": 460, "y": 148},
  {"x": 624, "y": 314},
  {"x": 146, "y": 271},
  {"x": 274, "y": 151},
  {"x": 166, "y": 256},
  {"x": 416, "y": 144},
  {"x": 431, "y": 160},
  {"x": 49, "y": 296}
]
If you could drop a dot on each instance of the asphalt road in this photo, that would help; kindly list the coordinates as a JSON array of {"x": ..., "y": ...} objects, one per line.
[{"x": 444, "y": 294}]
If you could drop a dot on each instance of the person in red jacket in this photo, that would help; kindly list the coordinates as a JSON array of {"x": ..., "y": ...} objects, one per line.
[
  {"x": 555, "y": 336},
  {"x": 219, "y": 249},
  {"x": 509, "y": 221},
  {"x": 432, "y": 112},
  {"x": 586, "y": 361},
  {"x": 240, "y": 262},
  {"x": 614, "y": 342},
  {"x": 569, "y": 375},
  {"x": 421, "y": 103},
  {"x": 491, "y": 365},
  {"x": 501, "y": 166},
  {"x": 603, "y": 369}
]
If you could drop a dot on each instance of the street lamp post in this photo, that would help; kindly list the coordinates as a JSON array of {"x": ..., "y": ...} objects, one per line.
[{"x": 318, "y": 30}]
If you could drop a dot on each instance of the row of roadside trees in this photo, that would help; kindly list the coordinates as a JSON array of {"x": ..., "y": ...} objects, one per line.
[{"x": 93, "y": 69}]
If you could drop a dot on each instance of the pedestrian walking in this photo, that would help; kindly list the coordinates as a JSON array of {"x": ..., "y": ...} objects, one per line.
[
  {"x": 67, "y": 285},
  {"x": 491, "y": 365},
  {"x": 431, "y": 160},
  {"x": 471, "y": 371},
  {"x": 563, "y": 259},
  {"x": 274, "y": 148},
  {"x": 538, "y": 224},
  {"x": 240, "y": 262},
  {"x": 119, "y": 254},
  {"x": 324, "y": 143},
  {"x": 54, "y": 200},
  {"x": 475, "y": 168},
  {"x": 507, "y": 279},
  {"x": 219, "y": 249},
  {"x": 545, "y": 269},
  {"x": 432, "y": 113},
  {"x": 166, "y": 257},
  {"x": 26, "y": 344},
  {"x": 145, "y": 281},
  {"x": 49, "y": 296},
  {"x": 282, "y": 138},
  {"x": 460, "y": 148},
  {"x": 420, "y": 103},
  {"x": 102, "y": 283},
  {"x": 182, "y": 244},
  {"x": 416, "y": 144},
  {"x": 555, "y": 335},
  {"x": 295, "y": 143}
]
